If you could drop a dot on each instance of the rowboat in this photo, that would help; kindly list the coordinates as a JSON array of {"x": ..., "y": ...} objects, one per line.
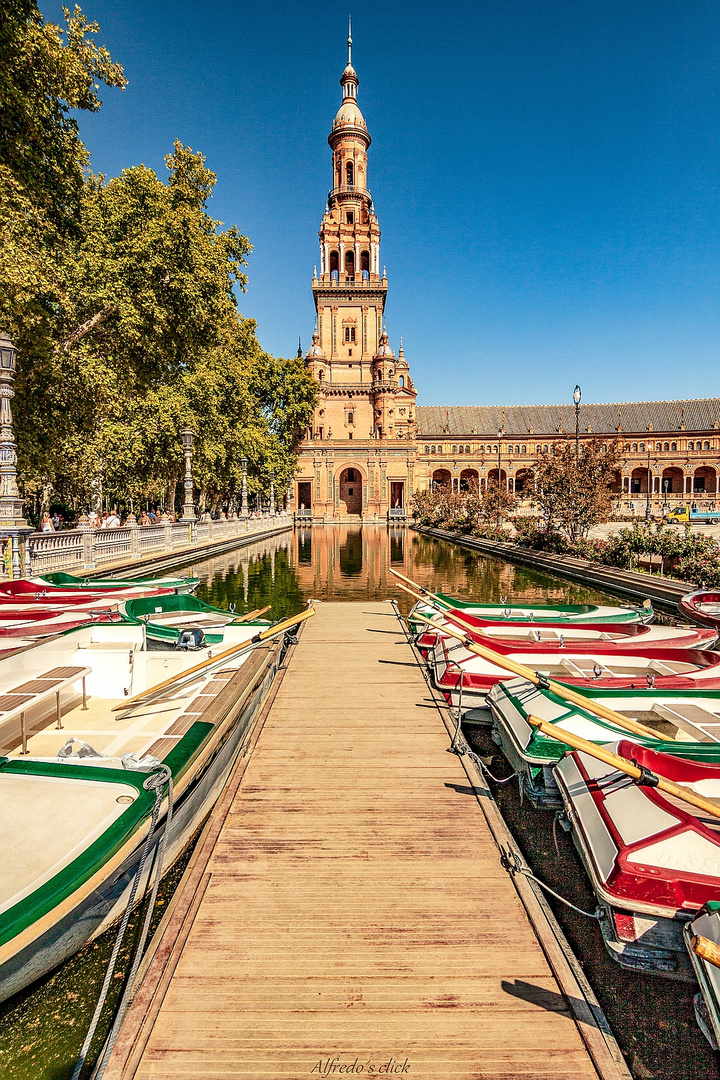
[
  {"x": 466, "y": 679},
  {"x": 24, "y": 591},
  {"x": 171, "y": 619},
  {"x": 592, "y": 614},
  {"x": 702, "y": 607},
  {"x": 611, "y": 637},
  {"x": 63, "y": 580},
  {"x": 652, "y": 859},
  {"x": 689, "y": 717},
  {"x": 704, "y": 928},
  {"x": 41, "y": 623},
  {"x": 75, "y": 810}
]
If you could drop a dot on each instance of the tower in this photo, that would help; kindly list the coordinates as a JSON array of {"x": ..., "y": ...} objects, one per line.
[{"x": 365, "y": 394}]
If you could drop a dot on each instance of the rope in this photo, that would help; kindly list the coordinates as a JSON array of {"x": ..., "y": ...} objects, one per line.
[
  {"x": 512, "y": 862},
  {"x": 155, "y": 782}
]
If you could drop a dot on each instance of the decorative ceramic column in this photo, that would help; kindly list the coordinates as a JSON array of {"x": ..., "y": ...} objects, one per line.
[
  {"x": 244, "y": 500},
  {"x": 12, "y": 523},
  {"x": 188, "y": 510},
  {"x": 272, "y": 493}
]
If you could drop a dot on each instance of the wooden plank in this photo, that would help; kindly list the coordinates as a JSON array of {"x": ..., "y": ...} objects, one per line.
[{"x": 350, "y": 902}]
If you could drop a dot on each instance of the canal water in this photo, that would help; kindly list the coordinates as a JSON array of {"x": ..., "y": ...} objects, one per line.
[{"x": 42, "y": 1029}]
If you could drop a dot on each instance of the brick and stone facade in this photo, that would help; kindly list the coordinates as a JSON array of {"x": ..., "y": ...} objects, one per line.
[{"x": 370, "y": 446}]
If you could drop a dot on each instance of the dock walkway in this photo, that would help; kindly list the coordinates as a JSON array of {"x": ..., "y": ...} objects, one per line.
[{"x": 352, "y": 916}]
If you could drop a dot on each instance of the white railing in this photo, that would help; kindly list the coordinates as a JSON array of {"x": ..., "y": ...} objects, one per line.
[{"x": 85, "y": 549}]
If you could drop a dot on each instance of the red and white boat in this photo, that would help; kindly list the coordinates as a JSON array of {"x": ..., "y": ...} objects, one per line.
[
  {"x": 46, "y": 621},
  {"x": 653, "y": 860},
  {"x": 702, "y": 607},
  {"x": 611, "y": 637},
  {"x": 24, "y": 591}
]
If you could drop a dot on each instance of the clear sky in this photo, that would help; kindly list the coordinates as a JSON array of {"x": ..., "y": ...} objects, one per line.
[{"x": 546, "y": 174}]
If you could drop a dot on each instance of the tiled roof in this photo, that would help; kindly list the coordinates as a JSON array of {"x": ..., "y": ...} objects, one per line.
[{"x": 697, "y": 414}]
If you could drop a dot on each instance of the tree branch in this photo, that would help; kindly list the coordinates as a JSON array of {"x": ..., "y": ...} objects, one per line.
[{"x": 97, "y": 320}]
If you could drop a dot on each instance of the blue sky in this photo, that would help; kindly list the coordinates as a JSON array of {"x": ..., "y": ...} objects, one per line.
[{"x": 546, "y": 175}]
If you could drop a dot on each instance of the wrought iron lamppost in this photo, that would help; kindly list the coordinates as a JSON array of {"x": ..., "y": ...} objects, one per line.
[
  {"x": 244, "y": 499},
  {"x": 577, "y": 394},
  {"x": 188, "y": 510},
  {"x": 648, "y": 513},
  {"x": 272, "y": 493}
]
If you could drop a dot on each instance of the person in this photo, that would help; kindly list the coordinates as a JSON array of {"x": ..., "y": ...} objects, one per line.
[
  {"x": 55, "y": 521},
  {"x": 151, "y": 516},
  {"x": 113, "y": 521},
  {"x": 144, "y": 519},
  {"x": 93, "y": 519},
  {"x": 104, "y": 520},
  {"x": 46, "y": 524}
]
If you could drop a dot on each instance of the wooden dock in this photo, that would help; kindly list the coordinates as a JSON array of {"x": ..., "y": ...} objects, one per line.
[{"x": 347, "y": 907}]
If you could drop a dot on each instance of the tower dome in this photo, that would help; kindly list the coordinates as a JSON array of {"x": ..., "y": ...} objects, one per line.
[
  {"x": 384, "y": 351},
  {"x": 315, "y": 351}
]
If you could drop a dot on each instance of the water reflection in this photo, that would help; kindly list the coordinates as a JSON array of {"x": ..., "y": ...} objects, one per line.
[{"x": 350, "y": 562}]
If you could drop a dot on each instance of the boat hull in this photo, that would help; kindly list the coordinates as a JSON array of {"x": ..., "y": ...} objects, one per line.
[{"x": 106, "y": 903}]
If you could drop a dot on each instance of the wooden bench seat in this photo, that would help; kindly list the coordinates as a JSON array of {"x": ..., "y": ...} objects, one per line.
[{"x": 17, "y": 700}]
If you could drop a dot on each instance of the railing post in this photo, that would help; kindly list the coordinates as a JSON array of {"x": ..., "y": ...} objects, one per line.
[
  {"x": 132, "y": 525},
  {"x": 88, "y": 542},
  {"x": 167, "y": 531}
]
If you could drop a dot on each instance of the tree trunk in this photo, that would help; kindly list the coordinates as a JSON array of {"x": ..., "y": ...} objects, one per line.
[{"x": 171, "y": 490}]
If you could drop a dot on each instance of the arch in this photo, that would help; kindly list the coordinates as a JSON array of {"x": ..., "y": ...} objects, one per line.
[
  {"x": 658, "y": 446},
  {"x": 524, "y": 481},
  {"x": 493, "y": 478},
  {"x": 365, "y": 262},
  {"x": 673, "y": 446},
  {"x": 634, "y": 448},
  {"x": 349, "y": 173},
  {"x": 350, "y": 263},
  {"x": 454, "y": 449},
  {"x": 706, "y": 445},
  {"x": 467, "y": 449},
  {"x": 349, "y": 480},
  {"x": 469, "y": 480},
  {"x": 672, "y": 481},
  {"x": 538, "y": 448},
  {"x": 616, "y": 483},
  {"x": 705, "y": 480},
  {"x": 642, "y": 447},
  {"x": 639, "y": 481},
  {"x": 401, "y": 381},
  {"x": 334, "y": 262},
  {"x": 432, "y": 449},
  {"x": 523, "y": 449},
  {"x": 441, "y": 478},
  {"x": 666, "y": 446}
]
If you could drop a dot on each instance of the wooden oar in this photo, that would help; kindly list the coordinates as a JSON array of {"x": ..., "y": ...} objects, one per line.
[
  {"x": 706, "y": 949},
  {"x": 425, "y": 592},
  {"x": 272, "y": 631},
  {"x": 623, "y": 765},
  {"x": 560, "y": 689},
  {"x": 252, "y": 615}
]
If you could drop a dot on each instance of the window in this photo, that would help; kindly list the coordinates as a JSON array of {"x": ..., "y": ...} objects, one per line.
[
  {"x": 461, "y": 449},
  {"x": 538, "y": 448},
  {"x": 634, "y": 448},
  {"x": 427, "y": 449},
  {"x": 432, "y": 449},
  {"x": 365, "y": 262},
  {"x": 349, "y": 333},
  {"x": 604, "y": 448},
  {"x": 706, "y": 445},
  {"x": 351, "y": 476},
  {"x": 350, "y": 435},
  {"x": 350, "y": 217},
  {"x": 351, "y": 418},
  {"x": 658, "y": 446},
  {"x": 401, "y": 380},
  {"x": 523, "y": 449},
  {"x": 673, "y": 446},
  {"x": 666, "y": 446},
  {"x": 334, "y": 262},
  {"x": 321, "y": 376},
  {"x": 642, "y": 447},
  {"x": 517, "y": 449},
  {"x": 349, "y": 174},
  {"x": 509, "y": 449},
  {"x": 454, "y": 449}
]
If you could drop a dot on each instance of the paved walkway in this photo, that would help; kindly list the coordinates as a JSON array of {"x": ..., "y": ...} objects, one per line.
[{"x": 353, "y": 911}]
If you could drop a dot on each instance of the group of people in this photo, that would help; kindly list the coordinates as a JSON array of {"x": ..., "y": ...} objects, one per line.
[{"x": 108, "y": 519}]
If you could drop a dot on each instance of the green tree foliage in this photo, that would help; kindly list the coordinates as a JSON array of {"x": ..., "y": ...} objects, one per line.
[
  {"x": 473, "y": 512},
  {"x": 120, "y": 295}
]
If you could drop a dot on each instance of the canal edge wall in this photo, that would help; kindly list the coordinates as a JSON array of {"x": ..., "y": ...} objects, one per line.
[{"x": 664, "y": 592}]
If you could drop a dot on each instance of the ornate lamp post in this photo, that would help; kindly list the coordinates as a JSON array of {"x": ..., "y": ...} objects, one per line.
[
  {"x": 577, "y": 394},
  {"x": 499, "y": 475},
  {"x": 244, "y": 503},
  {"x": 188, "y": 510},
  {"x": 272, "y": 493},
  {"x": 649, "y": 485},
  {"x": 12, "y": 521}
]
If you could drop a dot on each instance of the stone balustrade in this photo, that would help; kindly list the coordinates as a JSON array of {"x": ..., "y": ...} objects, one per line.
[{"x": 84, "y": 549}]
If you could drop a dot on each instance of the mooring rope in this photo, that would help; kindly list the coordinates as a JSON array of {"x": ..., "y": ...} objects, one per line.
[
  {"x": 512, "y": 862},
  {"x": 156, "y": 782}
]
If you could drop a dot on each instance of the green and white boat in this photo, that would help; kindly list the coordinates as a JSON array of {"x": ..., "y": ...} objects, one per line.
[
  {"x": 182, "y": 621},
  {"x": 59, "y": 577},
  {"x": 74, "y": 809},
  {"x": 553, "y": 614},
  {"x": 690, "y": 717}
]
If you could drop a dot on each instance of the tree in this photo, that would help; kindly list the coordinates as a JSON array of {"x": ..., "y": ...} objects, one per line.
[{"x": 572, "y": 491}]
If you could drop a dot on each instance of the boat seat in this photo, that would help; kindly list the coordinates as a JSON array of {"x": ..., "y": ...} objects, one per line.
[
  {"x": 17, "y": 700},
  {"x": 661, "y": 669},
  {"x": 703, "y": 725},
  {"x": 192, "y": 712}
]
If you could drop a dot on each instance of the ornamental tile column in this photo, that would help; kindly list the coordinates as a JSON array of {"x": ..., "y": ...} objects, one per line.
[{"x": 13, "y": 525}]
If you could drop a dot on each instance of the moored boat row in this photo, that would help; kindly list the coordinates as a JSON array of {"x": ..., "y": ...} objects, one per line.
[{"x": 621, "y": 733}]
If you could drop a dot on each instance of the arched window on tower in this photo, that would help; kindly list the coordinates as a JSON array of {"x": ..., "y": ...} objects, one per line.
[
  {"x": 349, "y": 173},
  {"x": 350, "y": 264},
  {"x": 401, "y": 380},
  {"x": 334, "y": 264},
  {"x": 365, "y": 263}
]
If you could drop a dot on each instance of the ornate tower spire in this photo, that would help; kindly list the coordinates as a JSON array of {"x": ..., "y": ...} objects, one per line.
[{"x": 349, "y": 40}]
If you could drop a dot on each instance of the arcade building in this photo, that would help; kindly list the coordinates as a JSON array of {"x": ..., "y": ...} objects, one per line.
[{"x": 371, "y": 446}]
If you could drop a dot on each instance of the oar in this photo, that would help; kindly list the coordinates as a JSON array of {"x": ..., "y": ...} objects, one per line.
[
  {"x": 706, "y": 949},
  {"x": 450, "y": 614},
  {"x": 425, "y": 592},
  {"x": 623, "y": 765},
  {"x": 264, "y": 635},
  {"x": 560, "y": 689},
  {"x": 252, "y": 615}
]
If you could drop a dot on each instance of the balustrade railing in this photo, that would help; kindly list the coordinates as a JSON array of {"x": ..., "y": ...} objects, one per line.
[{"x": 85, "y": 549}]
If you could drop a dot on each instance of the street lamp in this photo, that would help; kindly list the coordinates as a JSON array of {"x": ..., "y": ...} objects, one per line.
[
  {"x": 649, "y": 483},
  {"x": 577, "y": 394},
  {"x": 243, "y": 502},
  {"x": 272, "y": 493},
  {"x": 188, "y": 510}
]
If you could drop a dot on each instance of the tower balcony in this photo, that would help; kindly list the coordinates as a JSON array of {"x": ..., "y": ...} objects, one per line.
[
  {"x": 350, "y": 193},
  {"x": 344, "y": 281}
]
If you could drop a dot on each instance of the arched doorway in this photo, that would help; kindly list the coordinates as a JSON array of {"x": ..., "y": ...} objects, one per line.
[
  {"x": 351, "y": 490},
  {"x": 639, "y": 481},
  {"x": 672, "y": 481},
  {"x": 441, "y": 478},
  {"x": 469, "y": 480},
  {"x": 524, "y": 481},
  {"x": 705, "y": 481},
  {"x": 493, "y": 479}
]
